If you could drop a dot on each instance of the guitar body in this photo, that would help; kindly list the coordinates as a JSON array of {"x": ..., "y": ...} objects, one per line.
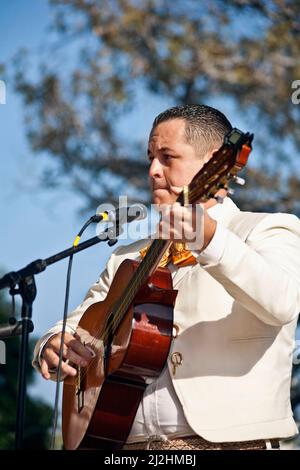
[{"x": 100, "y": 403}]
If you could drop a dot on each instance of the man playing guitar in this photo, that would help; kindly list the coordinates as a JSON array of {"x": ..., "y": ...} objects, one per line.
[{"x": 236, "y": 274}]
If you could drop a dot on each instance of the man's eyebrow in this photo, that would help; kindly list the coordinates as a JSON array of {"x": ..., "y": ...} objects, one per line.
[{"x": 162, "y": 149}]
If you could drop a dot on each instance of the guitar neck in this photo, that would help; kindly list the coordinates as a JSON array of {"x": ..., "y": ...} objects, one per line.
[{"x": 224, "y": 164}]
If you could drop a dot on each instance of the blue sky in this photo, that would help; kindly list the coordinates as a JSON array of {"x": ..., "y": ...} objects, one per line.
[{"x": 35, "y": 223}]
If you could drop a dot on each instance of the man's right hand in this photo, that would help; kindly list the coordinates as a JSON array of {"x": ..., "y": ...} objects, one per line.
[{"x": 73, "y": 351}]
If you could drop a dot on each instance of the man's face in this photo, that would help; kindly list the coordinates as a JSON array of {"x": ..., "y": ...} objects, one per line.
[{"x": 173, "y": 162}]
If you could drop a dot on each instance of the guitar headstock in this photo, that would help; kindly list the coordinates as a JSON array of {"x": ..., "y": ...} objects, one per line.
[{"x": 223, "y": 166}]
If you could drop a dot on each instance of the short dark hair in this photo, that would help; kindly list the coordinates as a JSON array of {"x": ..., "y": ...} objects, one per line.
[{"x": 205, "y": 127}]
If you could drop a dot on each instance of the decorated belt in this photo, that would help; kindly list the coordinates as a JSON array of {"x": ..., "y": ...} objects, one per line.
[{"x": 198, "y": 443}]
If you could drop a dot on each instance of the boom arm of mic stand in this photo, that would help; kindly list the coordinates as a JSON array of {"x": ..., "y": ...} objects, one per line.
[{"x": 14, "y": 277}]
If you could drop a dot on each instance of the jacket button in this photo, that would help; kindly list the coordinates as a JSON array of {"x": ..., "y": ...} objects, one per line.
[
  {"x": 175, "y": 332},
  {"x": 176, "y": 360}
]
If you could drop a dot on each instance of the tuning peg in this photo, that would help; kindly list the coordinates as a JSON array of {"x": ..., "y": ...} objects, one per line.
[
  {"x": 239, "y": 180},
  {"x": 219, "y": 199}
]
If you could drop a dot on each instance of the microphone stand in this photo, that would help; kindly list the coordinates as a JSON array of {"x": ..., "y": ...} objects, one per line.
[{"x": 24, "y": 278}]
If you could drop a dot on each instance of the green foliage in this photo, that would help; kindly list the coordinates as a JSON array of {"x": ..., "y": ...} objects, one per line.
[{"x": 38, "y": 414}]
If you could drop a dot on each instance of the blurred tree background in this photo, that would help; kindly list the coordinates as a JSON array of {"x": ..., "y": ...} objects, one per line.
[
  {"x": 99, "y": 54},
  {"x": 38, "y": 416}
]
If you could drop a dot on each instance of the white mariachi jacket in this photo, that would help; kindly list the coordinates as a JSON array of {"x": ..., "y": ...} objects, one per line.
[{"x": 236, "y": 324}]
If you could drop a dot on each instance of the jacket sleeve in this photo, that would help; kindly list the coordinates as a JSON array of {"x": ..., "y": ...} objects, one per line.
[
  {"x": 96, "y": 293},
  {"x": 263, "y": 272}
]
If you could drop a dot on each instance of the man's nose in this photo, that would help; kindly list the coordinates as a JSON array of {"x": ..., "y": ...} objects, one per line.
[{"x": 155, "y": 169}]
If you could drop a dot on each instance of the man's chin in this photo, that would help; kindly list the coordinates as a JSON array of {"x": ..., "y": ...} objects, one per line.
[{"x": 161, "y": 196}]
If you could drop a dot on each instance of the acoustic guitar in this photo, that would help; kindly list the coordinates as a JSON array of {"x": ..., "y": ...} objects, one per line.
[{"x": 130, "y": 332}]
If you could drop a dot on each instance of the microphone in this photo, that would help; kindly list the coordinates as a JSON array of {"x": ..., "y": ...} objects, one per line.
[{"x": 122, "y": 215}]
